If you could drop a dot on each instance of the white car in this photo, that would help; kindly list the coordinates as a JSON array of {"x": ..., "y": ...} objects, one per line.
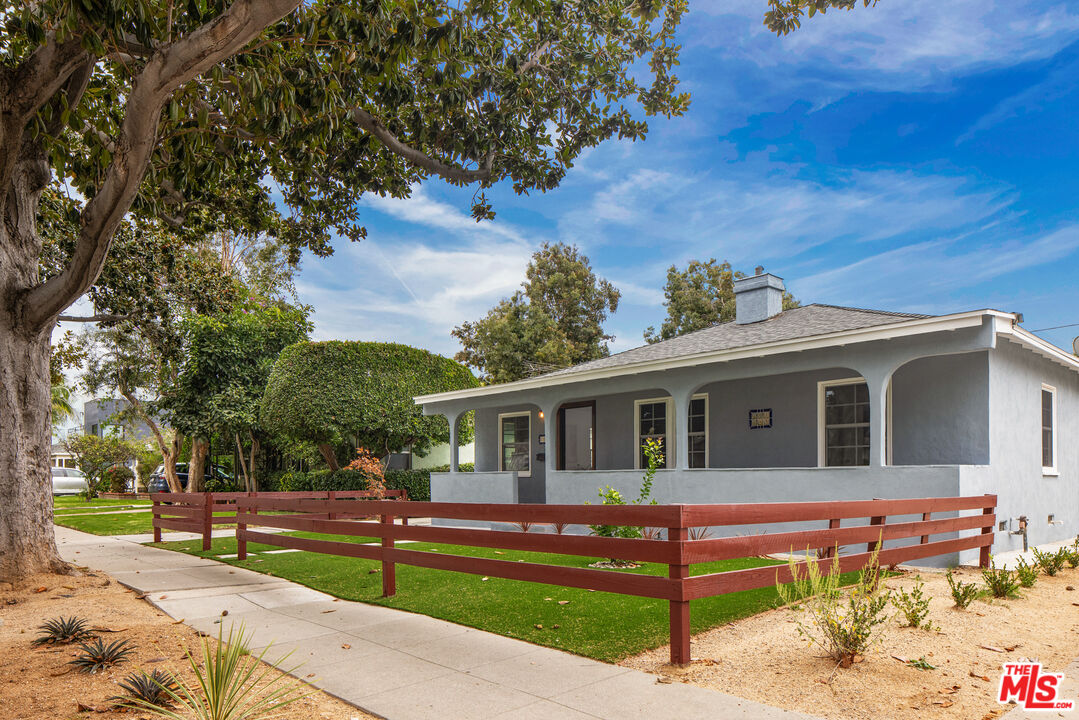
[{"x": 68, "y": 481}]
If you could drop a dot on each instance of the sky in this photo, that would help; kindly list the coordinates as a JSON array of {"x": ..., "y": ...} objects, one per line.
[{"x": 919, "y": 156}]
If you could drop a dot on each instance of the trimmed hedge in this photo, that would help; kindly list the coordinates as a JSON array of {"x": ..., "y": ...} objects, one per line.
[
  {"x": 314, "y": 481},
  {"x": 461, "y": 467},
  {"x": 416, "y": 482}
]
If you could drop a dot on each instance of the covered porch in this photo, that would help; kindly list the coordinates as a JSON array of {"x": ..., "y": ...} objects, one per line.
[{"x": 901, "y": 416}]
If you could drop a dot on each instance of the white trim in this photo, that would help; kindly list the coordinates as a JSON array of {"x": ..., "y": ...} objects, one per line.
[
  {"x": 501, "y": 457},
  {"x": 707, "y": 428},
  {"x": 821, "y": 435},
  {"x": 1050, "y": 470},
  {"x": 916, "y": 326},
  {"x": 1032, "y": 342},
  {"x": 671, "y": 426}
]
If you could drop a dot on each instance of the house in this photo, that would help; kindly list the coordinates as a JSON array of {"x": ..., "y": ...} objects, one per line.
[
  {"x": 813, "y": 403},
  {"x": 104, "y": 417}
]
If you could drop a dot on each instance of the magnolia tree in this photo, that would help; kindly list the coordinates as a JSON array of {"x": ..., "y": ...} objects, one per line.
[{"x": 333, "y": 393}]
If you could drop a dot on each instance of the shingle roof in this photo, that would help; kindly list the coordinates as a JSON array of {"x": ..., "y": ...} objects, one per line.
[{"x": 800, "y": 322}]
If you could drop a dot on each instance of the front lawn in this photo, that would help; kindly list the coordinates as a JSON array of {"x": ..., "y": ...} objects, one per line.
[
  {"x": 600, "y": 625},
  {"x": 100, "y": 523},
  {"x": 76, "y": 503}
]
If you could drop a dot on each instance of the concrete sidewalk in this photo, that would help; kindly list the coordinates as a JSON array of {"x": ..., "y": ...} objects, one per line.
[{"x": 396, "y": 664}]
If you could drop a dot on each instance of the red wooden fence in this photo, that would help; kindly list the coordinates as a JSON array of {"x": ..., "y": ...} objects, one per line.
[
  {"x": 199, "y": 512},
  {"x": 677, "y": 550}
]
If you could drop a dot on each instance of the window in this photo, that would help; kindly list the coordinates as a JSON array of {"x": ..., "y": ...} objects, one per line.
[
  {"x": 844, "y": 410},
  {"x": 652, "y": 418},
  {"x": 1049, "y": 441},
  {"x": 515, "y": 442},
  {"x": 697, "y": 430}
]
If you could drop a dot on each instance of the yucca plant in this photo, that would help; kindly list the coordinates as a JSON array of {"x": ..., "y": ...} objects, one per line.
[
  {"x": 98, "y": 655},
  {"x": 62, "y": 630},
  {"x": 228, "y": 684},
  {"x": 152, "y": 688}
]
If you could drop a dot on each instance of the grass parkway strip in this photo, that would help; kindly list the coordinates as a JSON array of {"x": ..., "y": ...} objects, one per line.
[{"x": 599, "y": 625}]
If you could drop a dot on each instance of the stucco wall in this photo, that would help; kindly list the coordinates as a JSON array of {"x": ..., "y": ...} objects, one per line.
[
  {"x": 940, "y": 411},
  {"x": 1015, "y": 473}
]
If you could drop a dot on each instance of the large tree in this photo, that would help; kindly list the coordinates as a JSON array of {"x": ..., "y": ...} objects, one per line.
[
  {"x": 200, "y": 115},
  {"x": 360, "y": 393},
  {"x": 226, "y": 363},
  {"x": 699, "y": 297},
  {"x": 555, "y": 321}
]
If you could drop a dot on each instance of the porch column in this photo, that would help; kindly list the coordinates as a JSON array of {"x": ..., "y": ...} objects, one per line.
[
  {"x": 678, "y": 429},
  {"x": 878, "y": 416},
  {"x": 550, "y": 444},
  {"x": 451, "y": 418}
]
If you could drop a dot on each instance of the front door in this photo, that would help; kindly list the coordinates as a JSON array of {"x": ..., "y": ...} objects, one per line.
[{"x": 577, "y": 437}]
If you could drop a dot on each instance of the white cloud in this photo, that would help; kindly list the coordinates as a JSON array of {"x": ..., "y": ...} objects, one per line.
[
  {"x": 928, "y": 275},
  {"x": 908, "y": 44}
]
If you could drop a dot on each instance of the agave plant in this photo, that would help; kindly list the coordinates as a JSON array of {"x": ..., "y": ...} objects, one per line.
[
  {"x": 153, "y": 688},
  {"x": 98, "y": 655},
  {"x": 231, "y": 684},
  {"x": 62, "y": 630}
]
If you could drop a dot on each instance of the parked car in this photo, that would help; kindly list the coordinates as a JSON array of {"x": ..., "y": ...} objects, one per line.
[
  {"x": 68, "y": 481},
  {"x": 158, "y": 483}
]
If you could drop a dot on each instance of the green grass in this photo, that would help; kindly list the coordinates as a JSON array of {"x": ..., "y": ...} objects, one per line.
[
  {"x": 75, "y": 503},
  {"x": 600, "y": 625},
  {"x": 101, "y": 524}
]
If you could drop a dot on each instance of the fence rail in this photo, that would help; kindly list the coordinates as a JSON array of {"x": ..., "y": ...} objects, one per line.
[
  {"x": 199, "y": 512},
  {"x": 677, "y": 551}
]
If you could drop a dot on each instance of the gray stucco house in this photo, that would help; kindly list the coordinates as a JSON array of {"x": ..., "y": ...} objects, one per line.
[{"x": 814, "y": 403}]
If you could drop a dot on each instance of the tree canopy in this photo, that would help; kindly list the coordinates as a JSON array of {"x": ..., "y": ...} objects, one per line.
[
  {"x": 699, "y": 297},
  {"x": 555, "y": 321},
  {"x": 337, "y": 392}
]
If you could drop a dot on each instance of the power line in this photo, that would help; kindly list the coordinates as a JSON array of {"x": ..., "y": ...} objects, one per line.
[{"x": 1057, "y": 327}]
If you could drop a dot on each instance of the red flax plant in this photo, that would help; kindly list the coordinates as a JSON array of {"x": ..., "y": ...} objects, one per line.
[{"x": 371, "y": 467}]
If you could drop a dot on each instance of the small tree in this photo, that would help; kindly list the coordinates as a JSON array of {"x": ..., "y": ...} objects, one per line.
[
  {"x": 332, "y": 393},
  {"x": 95, "y": 455}
]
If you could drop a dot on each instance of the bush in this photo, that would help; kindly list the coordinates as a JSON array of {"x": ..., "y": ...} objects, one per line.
[
  {"x": 117, "y": 478},
  {"x": 294, "y": 481},
  {"x": 1027, "y": 574},
  {"x": 962, "y": 593},
  {"x": 416, "y": 482},
  {"x": 219, "y": 485},
  {"x": 1051, "y": 562},
  {"x": 461, "y": 467},
  {"x": 341, "y": 480},
  {"x": 843, "y": 625},
  {"x": 914, "y": 605},
  {"x": 1001, "y": 583}
]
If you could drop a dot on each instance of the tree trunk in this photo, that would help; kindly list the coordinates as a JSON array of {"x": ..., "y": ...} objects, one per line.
[
  {"x": 196, "y": 469},
  {"x": 329, "y": 456},
  {"x": 27, "y": 541},
  {"x": 251, "y": 465},
  {"x": 243, "y": 463},
  {"x": 169, "y": 451}
]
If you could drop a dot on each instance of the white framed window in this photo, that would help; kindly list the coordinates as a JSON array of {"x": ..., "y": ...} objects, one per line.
[
  {"x": 1049, "y": 435},
  {"x": 697, "y": 431},
  {"x": 653, "y": 421},
  {"x": 843, "y": 422},
  {"x": 515, "y": 442}
]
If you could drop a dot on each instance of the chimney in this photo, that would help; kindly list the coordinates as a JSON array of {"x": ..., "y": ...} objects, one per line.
[{"x": 758, "y": 298}]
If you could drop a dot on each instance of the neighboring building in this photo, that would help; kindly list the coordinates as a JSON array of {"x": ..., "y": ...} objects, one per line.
[
  {"x": 814, "y": 403},
  {"x": 102, "y": 417},
  {"x": 60, "y": 457},
  {"x": 439, "y": 456}
]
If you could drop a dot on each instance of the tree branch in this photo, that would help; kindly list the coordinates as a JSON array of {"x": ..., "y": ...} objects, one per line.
[
  {"x": 167, "y": 69},
  {"x": 100, "y": 318},
  {"x": 453, "y": 173}
]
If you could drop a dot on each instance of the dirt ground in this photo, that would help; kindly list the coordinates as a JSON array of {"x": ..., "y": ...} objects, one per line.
[
  {"x": 763, "y": 658},
  {"x": 38, "y": 684}
]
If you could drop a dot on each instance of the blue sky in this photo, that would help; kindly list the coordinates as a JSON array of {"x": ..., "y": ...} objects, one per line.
[{"x": 920, "y": 156}]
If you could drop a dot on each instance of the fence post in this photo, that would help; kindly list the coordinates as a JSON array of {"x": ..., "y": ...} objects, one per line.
[
  {"x": 831, "y": 550},
  {"x": 331, "y": 497},
  {"x": 679, "y": 609},
  {"x": 983, "y": 556},
  {"x": 157, "y": 530},
  {"x": 241, "y": 528},
  {"x": 207, "y": 520},
  {"x": 875, "y": 545},
  {"x": 404, "y": 498},
  {"x": 925, "y": 518},
  {"x": 389, "y": 568}
]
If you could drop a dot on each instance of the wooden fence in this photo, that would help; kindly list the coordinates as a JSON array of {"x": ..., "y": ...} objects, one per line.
[
  {"x": 677, "y": 551},
  {"x": 199, "y": 512}
]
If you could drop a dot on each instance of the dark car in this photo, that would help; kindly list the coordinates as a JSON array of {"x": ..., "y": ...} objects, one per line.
[{"x": 158, "y": 483}]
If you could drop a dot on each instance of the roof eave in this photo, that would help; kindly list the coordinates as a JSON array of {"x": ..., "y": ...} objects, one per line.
[{"x": 915, "y": 326}]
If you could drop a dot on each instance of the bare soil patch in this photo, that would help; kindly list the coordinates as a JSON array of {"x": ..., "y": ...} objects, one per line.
[
  {"x": 762, "y": 658},
  {"x": 38, "y": 683}
]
